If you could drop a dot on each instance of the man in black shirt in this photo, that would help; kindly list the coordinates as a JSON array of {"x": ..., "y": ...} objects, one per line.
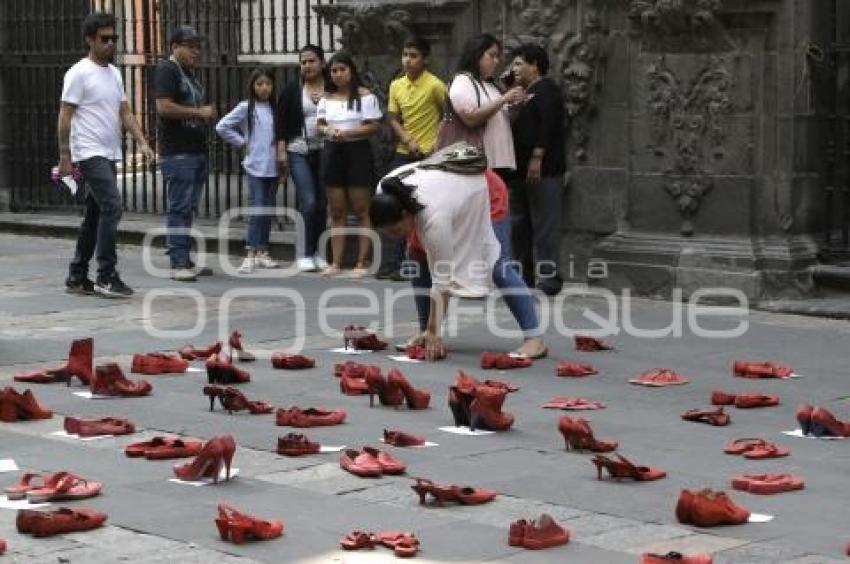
[
  {"x": 536, "y": 187},
  {"x": 183, "y": 123}
]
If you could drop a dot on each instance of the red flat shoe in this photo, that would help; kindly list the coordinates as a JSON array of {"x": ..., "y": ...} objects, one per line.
[
  {"x": 719, "y": 397},
  {"x": 294, "y": 444},
  {"x": 675, "y": 558},
  {"x": 292, "y": 361},
  {"x": 358, "y": 338},
  {"x": 235, "y": 343},
  {"x": 308, "y": 417},
  {"x": 389, "y": 464},
  {"x": 756, "y": 448},
  {"x": 401, "y": 439},
  {"x": 579, "y": 436},
  {"x": 29, "y": 481},
  {"x": 160, "y": 448},
  {"x": 356, "y": 540},
  {"x": 158, "y": 363},
  {"x": 714, "y": 417},
  {"x": 767, "y": 484},
  {"x": 363, "y": 464},
  {"x": 416, "y": 398},
  {"x": 624, "y": 468},
  {"x": 503, "y": 361},
  {"x": 572, "y": 403},
  {"x": 591, "y": 344},
  {"x": 97, "y": 427},
  {"x": 707, "y": 508},
  {"x": 64, "y": 485},
  {"x": 109, "y": 380},
  {"x": 191, "y": 353},
  {"x": 59, "y": 521},
  {"x": 746, "y": 369},
  {"x": 539, "y": 534},
  {"x": 238, "y": 527},
  {"x": 567, "y": 369},
  {"x": 659, "y": 377},
  {"x": 749, "y": 400}
]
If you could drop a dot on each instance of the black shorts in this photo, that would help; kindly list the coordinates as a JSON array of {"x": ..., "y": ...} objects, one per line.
[{"x": 348, "y": 164}]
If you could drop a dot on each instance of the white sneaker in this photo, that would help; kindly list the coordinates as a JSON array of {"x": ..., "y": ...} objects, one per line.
[
  {"x": 306, "y": 264},
  {"x": 265, "y": 261},
  {"x": 247, "y": 266},
  {"x": 183, "y": 274},
  {"x": 321, "y": 263}
]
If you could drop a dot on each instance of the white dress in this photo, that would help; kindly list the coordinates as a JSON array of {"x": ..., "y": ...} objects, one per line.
[{"x": 455, "y": 230}]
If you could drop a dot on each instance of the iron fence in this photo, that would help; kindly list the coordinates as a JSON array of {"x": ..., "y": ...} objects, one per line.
[{"x": 43, "y": 38}]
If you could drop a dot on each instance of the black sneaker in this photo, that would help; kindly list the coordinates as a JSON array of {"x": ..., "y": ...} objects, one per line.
[
  {"x": 79, "y": 286},
  {"x": 112, "y": 288},
  {"x": 202, "y": 271}
]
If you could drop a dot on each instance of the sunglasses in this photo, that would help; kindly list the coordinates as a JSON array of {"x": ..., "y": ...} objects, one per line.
[{"x": 108, "y": 38}]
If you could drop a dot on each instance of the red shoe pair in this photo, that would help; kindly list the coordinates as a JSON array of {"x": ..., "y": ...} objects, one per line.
[
  {"x": 579, "y": 436},
  {"x": 237, "y": 527},
  {"x": 395, "y": 389},
  {"x": 675, "y": 558},
  {"x": 293, "y": 444},
  {"x": 465, "y": 495},
  {"x": 221, "y": 371},
  {"x": 716, "y": 417},
  {"x": 402, "y": 439},
  {"x": 52, "y": 487},
  {"x": 745, "y": 400},
  {"x": 767, "y": 483},
  {"x": 308, "y": 417},
  {"x": 80, "y": 362},
  {"x": 568, "y": 369},
  {"x": 370, "y": 462},
  {"x": 818, "y": 421},
  {"x": 572, "y": 403},
  {"x": 59, "y": 521},
  {"x": 707, "y": 508},
  {"x": 592, "y": 344},
  {"x": 756, "y": 449},
  {"x": 503, "y": 361},
  {"x": 659, "y": 377},
  {"x": 162, "y": 448},
  {"x": 217, "y": 452},
  {"x": 358, "y": 338},
  {"x": 96, "y": 427},
  {"x": 479, "y": 404},
  {"x": 539, "y": 534},
  {"x": 235, "y": 342},
  {"x": 403, "y": 544},
  {"x": 746, "y": 369},
  {"x": 21, "y": 407},
  {"x": 109, "y": 380},
  {"x": 191, "y": 353},
  {"x": 232, "y": 400},
  {"x": 158, "y": 363},
  {"x": 292, "y": 361}
]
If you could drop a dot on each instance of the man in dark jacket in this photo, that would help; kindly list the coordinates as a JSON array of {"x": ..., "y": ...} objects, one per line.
[{"x": 536, "y": 187}]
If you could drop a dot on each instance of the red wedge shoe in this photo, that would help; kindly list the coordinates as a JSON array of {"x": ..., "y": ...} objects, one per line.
[
  {"x": 59, "y": 521},
  {"x": 293, "y": 444},
  {"x": 714, "y": 417},
  {"x": 659, "y": 377},
  {"x": 675, "y": 558},
  {"x": 191, "y": 353},
  {"x": 308, "y": 417},
  {"x": 221, "y": 371},
  {"x": 707, "y": 508},
  {"x": 624, "y": 468},
  {"x": 292, "y": 361},
  {"x": 579, "y": 436},
  {"x": 401, "y": 439},
  {"x": 158, "y": 363},
  {"x": 96, "y": 427},
  {"x": 363, "y": 464},
  {"x": 416, "y": 398},
  {"x": 567, "y": 369},
  {"x": 235, "y": 342},
  {"x": 358, "y": 338},
  {"x": 238, "y": 527},
  {"x": 756, "y": 448},
  {"x": 592, "y": 344},
  {"x": 503, "y": 361},
  {"x": 825, "y": 424},
  {"x": 539, "y": 534},
  {"x": 760, "y": 370},
  {"x": 767, "y": 484}
]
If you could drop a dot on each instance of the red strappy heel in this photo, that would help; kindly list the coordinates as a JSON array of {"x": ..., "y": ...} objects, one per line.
[
  {"x": 624, "y": 468},
  {"x": 579, "y": 436}
]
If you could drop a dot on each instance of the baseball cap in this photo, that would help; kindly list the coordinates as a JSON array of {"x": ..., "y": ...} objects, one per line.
[{"x": 185, "y": 34}]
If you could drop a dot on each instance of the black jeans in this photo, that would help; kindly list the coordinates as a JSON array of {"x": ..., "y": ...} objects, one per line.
[
  {"x": 393, "y": 250},
  {"x": 536, "y": 213},
  {"x": 99, "y": 229}
]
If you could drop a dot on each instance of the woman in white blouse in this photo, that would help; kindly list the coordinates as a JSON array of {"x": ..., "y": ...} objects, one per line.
[{"x": 347, "y": 116}]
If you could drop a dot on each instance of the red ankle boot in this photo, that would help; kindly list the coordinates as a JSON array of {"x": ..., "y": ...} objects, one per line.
[
  {"x": 109, "y": 380},
  {"x": 485, "y": 411},
  {"x": 80, "y": 359}
]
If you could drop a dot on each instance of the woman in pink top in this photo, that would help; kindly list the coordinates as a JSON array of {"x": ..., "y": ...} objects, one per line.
[{"x": 478, "y": 101}]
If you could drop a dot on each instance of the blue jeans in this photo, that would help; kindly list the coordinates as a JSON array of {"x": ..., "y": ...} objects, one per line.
[
  {"x": 184, "y": 176},
  {"x": 311, "y": 201},
  {"x": 262, "y": 192},
  {"x": 517, "y": 297},
  {"x": 99, "y": 228}
]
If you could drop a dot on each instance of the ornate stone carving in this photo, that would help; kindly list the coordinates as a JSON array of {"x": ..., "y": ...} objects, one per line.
[
  {"x": 688, "y": 120},
  {"x": 539, "y": 17},
  {"x": 368, "y": 28},
  {"x": 678, "y": 25}
]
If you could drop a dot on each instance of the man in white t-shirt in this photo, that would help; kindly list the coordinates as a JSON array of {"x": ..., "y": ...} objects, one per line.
[{"x": 91, "y": 115}]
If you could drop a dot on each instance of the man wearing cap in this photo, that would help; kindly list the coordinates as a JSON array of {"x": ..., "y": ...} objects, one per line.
[{"x": 183, "y": 123}]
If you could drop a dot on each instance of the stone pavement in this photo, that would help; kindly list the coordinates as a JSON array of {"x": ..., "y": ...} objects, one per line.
[{"x": 154, "y": 520}]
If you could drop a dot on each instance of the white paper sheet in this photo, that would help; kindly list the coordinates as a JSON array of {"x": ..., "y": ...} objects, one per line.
[
  {"x": 343, "y": 350},
  {"x": 67, "y": 435},
  {"x": 6, "y": 503},
  {"x": 400, "y": 358},
  {"x": 8, "y": 465},
  {"x": 89, "y": 395},
  {"x": 799, "y": 434},
  {"x": 70, "y": 183},
  {"x": 207, "y": 481},
  {"x": 331, "y": 448},
  {"x": 759, "y": 518},
  {"x": 194, "y": 369},
  {"x": 465, "y": 431}
]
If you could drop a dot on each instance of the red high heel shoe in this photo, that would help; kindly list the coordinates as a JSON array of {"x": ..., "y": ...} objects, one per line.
[
  {"x": 221, "y": 371},
  {"x": 624, "y": 468},
  {"x": 235, "y": 342},
  {"x": 485, "y": 411},
  {"x": 208, "y": 463},
  {"x": 109, "y": 380},
  {"x": 233, "y": 400},
  {"x": 387, "y": 395},
  {"x": 579, "y": 436},
  {"x": 80, "y": 362},
  {"x": 237, "y": 527},
  {"x": 464, "y": 495},
  {"x": 191, "y": 353},
  {"x": 416, "y": 398},
  {"x": 283, "y": 361},
  {"x": 358, "y": 338}
]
